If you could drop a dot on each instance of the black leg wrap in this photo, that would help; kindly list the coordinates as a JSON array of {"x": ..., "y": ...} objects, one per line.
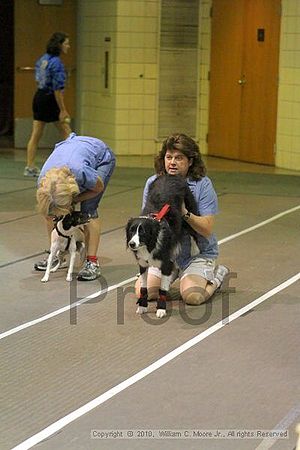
[
  {"x": 143, "y": 292},
  {"x": 143, "y": 300},
  {"x": 161, "y": 302},
  {"x": 162, "y": 293}
]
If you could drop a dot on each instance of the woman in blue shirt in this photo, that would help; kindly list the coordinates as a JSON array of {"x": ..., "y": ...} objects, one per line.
[
  {"x": 77, "y": 171},
  {"x": 198, "y": 275},
  {"x": 48, "y": 102}
]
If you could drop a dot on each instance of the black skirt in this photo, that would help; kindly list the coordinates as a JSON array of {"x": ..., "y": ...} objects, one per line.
[{"x": 45, "y": 107}]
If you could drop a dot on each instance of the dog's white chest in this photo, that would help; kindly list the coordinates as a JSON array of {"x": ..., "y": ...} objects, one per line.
[{"x": 145, "y": 258}]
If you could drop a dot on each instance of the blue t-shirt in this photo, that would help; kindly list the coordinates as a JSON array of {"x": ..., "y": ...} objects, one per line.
[
  {"x": 82, "y": 155},
  {"x": 207, "y": 205},
  {"x": 50, "y": 73}
]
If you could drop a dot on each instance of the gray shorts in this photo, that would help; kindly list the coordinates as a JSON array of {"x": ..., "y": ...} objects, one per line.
[{"x": 202, "y": 267}]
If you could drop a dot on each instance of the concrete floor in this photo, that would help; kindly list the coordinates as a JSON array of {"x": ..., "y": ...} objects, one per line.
[{"x": 65, "y": 372}]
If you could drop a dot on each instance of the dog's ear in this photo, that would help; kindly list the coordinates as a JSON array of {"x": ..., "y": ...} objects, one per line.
[
  {"x": 129, "y": 223},
  {"x": 67, "y": 221},
  {"x": 127, "y": 229}
]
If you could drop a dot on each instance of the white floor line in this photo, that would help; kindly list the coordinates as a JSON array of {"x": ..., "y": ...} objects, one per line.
[
  {"x": 64, "y": 421},
  {"x": 283, "y": 425},
  {"x": 96, "y": 294},
  {"x": 63, "y": 309},
  {"x": 261, "y": 224}
]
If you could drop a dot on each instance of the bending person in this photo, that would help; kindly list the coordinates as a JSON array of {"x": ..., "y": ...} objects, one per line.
[{"x": 77, "y": 171}]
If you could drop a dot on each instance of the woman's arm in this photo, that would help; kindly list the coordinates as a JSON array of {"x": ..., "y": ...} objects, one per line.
[
  {"x": 207, "y": 207},
  {"x": 59, "y": 97},
  {"x": 90, "y": 193},
  {"x": 202, "y": 224},
  {"x": 58, "y": 76}
]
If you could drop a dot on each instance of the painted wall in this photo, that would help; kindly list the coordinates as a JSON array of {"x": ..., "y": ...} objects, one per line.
[
  {"x": 288, "y": 123},
  {"x": 204, "y": 64},
  {"x": 123, "y": 114},
  {"x": 126, "y": 113},
  {"x": 97, "y": 21}
]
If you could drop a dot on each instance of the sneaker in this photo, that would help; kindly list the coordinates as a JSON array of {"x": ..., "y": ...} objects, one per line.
[
  {"x": 31, "y": 172},
  {"x": 89, "y": 272},
  {"x": 220, "y": 274},
  {"x": 42, "y": 265}
]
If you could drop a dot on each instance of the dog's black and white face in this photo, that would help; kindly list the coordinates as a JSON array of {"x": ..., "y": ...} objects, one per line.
[
  {"x": 136, "y": 233},
  {"x": 74, "y": 219},
  {"x": 141, "y": 232}
]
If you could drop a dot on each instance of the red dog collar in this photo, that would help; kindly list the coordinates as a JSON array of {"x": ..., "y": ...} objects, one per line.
[{"x": 161, "y": 214}]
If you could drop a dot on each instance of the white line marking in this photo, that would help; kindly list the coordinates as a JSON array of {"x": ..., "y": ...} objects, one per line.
[
  {"x": 283, "y": 425},
  {"x": 64, "y": 421},
  {"x": 261, "y": 224},
  {"x": 64, "y": 309},
  {"x": 68, "y": 307}
]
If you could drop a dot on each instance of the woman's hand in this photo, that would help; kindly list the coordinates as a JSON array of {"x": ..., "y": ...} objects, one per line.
[
  {"x": 64, "y": 116},
  {"x": 86, "y": 195}
]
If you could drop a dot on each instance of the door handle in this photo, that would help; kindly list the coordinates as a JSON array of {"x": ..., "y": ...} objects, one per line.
[
  {"x": 25, "y": 69},
  {"x": 69, "y": 70},
  {"x": 242, "y": 81}
]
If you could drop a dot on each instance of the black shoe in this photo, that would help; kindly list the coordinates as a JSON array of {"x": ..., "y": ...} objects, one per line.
[{"x": 42, "y": 265}]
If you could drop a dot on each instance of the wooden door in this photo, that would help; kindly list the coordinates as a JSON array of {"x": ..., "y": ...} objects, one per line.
[
  {"x": 243, "y": 124},
  {"x": 34, "y": 24},
  {"x": 225, "y": 69},
  {"x": 260, "y": 91}
]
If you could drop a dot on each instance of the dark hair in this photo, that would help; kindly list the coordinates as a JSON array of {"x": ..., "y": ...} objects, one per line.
[
  {"x": 189, "y": 148},
  {"x": 54, "y": 43}
]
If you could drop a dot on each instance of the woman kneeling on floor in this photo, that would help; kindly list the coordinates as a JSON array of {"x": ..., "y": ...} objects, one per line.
[{"x": 199, "y": 276}]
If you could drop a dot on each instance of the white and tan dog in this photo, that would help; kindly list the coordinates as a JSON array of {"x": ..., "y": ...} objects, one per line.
[{"x": 67, "y": 236}]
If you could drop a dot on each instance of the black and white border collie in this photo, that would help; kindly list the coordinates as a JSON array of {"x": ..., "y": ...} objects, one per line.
[
  {"x": 154, "y": 237},
  {"x": 67, "y": 235}
]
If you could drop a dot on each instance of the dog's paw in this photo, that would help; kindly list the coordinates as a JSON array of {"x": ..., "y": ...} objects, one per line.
[
  {"x": 44, "y": 279},
  {"x": 141, "y": 310},
  {"x": 160, "y": 313},
  {"x": 69, "y": 278}
]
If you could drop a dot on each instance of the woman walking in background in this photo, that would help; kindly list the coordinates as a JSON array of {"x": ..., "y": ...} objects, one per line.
[{"x": 48, "y": 102}]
